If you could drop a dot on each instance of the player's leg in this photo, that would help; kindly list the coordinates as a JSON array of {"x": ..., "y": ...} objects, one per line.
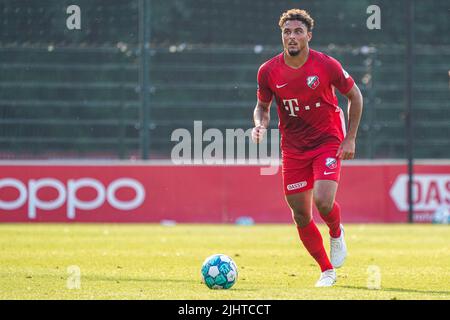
[
  {"x": 301, "y": 208},
  {"x": 327, "y": 169},
  {"x": 327, "y": 173},
  {"x": 324, "y": 198},
  {"x": 297, "y": 182}
]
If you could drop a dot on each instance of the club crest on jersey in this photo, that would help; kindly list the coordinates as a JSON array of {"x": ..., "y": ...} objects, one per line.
[
  {"x": 331, "y": 163},
  {"x": 313, "y": 82}
]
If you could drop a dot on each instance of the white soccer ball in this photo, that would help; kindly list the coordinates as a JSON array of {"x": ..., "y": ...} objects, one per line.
[{"x": 219, "y": 272}]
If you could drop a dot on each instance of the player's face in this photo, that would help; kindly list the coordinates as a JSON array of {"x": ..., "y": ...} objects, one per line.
[{"x": 295, "y": 37}]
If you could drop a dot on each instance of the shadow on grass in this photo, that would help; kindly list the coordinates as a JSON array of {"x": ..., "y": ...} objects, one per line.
[
  {"x": 155, "y": 280},
  {"x": 120, "y": 279},
  {"x": 397, "y": 290},
  {"x": 136, "y": 279}
]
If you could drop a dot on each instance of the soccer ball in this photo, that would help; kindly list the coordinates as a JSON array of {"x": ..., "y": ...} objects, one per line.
[{"x": 219, "y": 272}]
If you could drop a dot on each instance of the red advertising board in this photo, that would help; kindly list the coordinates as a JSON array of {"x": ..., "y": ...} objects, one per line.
[{"x": 372, "y": 192}]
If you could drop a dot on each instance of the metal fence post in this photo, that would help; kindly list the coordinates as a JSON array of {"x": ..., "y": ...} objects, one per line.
[
  {"x": 409, "y": 61},
  {"x": 144, "y": 72}
]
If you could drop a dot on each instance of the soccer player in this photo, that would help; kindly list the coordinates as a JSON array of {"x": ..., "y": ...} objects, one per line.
[{"x": 314, "y": 138}]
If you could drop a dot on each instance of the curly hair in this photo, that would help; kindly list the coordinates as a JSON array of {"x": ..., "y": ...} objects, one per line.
[{"x": 297, "y": 14}]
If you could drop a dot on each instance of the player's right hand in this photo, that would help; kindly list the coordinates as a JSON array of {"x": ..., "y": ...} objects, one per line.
[{"x": 258, "y": 133}]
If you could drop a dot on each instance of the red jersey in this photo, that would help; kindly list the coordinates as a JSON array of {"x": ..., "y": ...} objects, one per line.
[{"x": 307, "y": 105}]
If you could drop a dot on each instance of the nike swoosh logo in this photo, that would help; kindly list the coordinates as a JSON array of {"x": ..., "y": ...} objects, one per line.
[
  {"x": 281, "y": 86},
  {"x": 327, "y": 173}
]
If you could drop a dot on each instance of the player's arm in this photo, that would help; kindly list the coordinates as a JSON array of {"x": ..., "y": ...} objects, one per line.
[
  {"x": 261, "y": 114},
  {"x": 261, "y": 117},
  {"x": 355, "y": 105}
]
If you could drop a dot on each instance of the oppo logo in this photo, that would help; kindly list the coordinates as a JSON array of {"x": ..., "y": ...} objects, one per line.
[{"x": 68, "y": 194}]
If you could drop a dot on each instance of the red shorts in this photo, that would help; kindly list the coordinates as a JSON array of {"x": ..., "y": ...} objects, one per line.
[{"x": 300, "y": 171}]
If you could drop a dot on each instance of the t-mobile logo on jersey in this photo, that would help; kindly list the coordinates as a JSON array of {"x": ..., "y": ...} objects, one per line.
[{"x": 292, "y": 106}]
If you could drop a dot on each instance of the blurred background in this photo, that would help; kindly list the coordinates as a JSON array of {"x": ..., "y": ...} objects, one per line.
[{"x": 77, "y": 94}]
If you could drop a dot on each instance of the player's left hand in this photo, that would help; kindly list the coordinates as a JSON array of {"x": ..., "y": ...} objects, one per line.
[{"x": 346, "y": 150}]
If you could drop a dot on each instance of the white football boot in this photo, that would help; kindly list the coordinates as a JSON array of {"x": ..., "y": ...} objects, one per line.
[
  {"x": 327, "y": 278},
  {"x": 338, "y": 250}
]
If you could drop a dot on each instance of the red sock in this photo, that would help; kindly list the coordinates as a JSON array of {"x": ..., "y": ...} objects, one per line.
[
  {"x": 333, "y": 220},
  {"x": 312, "y": 240}
]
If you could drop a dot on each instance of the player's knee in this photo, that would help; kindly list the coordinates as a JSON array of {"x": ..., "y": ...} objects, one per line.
[
  {"x": 300, "y": 217},
  {"x": 323, "y": 205}
]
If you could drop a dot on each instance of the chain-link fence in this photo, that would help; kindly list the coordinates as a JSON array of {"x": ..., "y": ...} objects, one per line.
[{"x": 77, "y": 92}]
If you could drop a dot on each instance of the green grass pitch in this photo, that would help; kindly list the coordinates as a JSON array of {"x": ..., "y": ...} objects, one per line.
[{"x": 148, "y": 261}]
